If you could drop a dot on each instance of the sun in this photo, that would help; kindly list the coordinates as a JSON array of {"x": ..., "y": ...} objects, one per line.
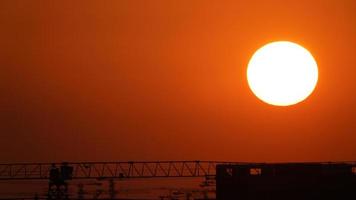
[{"x": 282, "y": 73}]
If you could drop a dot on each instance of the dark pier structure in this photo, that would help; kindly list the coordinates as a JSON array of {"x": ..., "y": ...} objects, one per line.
[{"x": 286, "y": 181}]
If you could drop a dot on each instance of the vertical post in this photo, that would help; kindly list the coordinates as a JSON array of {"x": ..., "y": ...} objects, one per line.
[
  {"x": 80, "y": 191},
  {"x": 112, "y": 191}
]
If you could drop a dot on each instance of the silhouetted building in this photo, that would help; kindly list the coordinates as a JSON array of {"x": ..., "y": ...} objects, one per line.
[{"x": 289, "y": 181}]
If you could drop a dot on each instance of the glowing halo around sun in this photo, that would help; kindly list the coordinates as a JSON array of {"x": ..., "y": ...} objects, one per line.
[{"x": 282, "y": 73}]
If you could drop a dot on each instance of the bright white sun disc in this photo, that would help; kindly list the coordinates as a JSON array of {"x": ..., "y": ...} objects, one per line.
[{"x": 282, "y": 73}]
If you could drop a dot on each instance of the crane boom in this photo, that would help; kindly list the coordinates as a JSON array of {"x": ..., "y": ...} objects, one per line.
[{"x": 109, "y": 170}]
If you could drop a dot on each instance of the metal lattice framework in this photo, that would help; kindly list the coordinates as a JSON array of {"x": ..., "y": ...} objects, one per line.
[{"x": 112, "y": 170}]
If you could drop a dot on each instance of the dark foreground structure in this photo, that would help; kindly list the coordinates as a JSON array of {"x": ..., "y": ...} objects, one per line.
[{"x": 290, "y": 181}]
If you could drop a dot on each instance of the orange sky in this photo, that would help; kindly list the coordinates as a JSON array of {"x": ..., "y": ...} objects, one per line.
[{"x": 166, "y": 80}]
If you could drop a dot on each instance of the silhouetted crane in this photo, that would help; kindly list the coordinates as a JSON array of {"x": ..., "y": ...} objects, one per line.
[{"x": 59, "y": 174}]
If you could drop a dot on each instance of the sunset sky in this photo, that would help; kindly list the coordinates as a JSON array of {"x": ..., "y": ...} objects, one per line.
[{"x": 166, "y": 80}]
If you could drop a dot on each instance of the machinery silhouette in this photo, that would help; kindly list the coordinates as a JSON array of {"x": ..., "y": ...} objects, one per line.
[
  {"x": 60, "y": 174},
  {"x": 281, "y": 181},
  {"x": 233, "y": 180}
]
